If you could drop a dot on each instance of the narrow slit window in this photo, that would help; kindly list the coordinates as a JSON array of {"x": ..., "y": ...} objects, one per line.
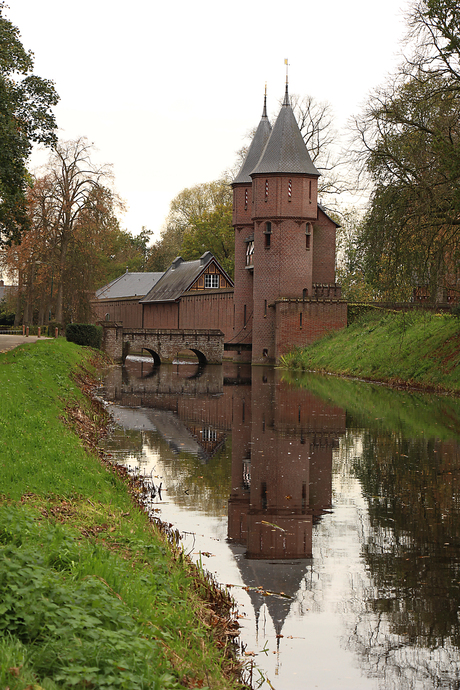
[
  {"x": 300, "y": 319},
  {"x": 268, "y": 234},
  {"x": 265, "y": 307},
  {"x": 307, "y": 235},
  {"x": 244, "y": 316},
  {"x": 309, "y": 191},
  {"x": 245, "y": 199},
  {"x": 266, "y": 190},
  {"x": 289, "y": 190},
  {"x": 263, "y": 495}
]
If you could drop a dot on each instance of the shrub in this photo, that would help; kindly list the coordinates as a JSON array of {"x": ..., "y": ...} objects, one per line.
[{"x": 84, "y": 334}]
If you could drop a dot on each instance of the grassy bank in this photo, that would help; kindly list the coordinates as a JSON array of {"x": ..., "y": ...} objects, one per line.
[
  {"x": 415, "y": 348},
  {"x": 91, "y": 594}
]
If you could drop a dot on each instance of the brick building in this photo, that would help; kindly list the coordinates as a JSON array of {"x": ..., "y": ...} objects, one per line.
[
  {"x": 285, "y": 293},
  {"x": 191, "y": 294},
  {"x": 285, "y": 290}
]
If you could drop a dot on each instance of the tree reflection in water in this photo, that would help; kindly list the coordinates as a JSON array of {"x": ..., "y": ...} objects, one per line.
[{"x": 342, "y": 506}]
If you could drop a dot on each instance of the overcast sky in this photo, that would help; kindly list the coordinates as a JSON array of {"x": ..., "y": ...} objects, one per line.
[{"x": 167, "y": 91}]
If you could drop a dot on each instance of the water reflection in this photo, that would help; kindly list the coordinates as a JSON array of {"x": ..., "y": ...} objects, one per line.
[{"x": 331, "y": 506}]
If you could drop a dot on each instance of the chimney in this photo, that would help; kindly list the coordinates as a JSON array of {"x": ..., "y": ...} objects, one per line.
[{"x": 177, "y": 262}]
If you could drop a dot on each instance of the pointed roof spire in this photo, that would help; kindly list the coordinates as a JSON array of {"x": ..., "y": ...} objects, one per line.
[
  {"x": 257, "y": 146},
  {"x": 285, "y": 151}
]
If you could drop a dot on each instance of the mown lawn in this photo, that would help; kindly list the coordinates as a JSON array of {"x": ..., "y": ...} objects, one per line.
[
  {"x": 91, "y": 594},
  {"x": 417, "y": 348}
]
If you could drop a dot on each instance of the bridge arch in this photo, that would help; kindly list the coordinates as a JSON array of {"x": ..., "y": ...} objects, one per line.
[
  {"x": 155, "y": 355},
  {"x": 201, "y": 357}
]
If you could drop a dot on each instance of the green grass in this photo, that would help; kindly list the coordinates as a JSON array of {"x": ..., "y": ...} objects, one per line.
[
  {"x": 417, "y": 348},
  {"x": 91, "y": 595}
]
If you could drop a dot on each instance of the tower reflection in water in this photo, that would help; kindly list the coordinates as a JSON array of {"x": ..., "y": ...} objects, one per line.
[
  {"x": 281, "y": 473},
  {"x": 282, "y": 444}
]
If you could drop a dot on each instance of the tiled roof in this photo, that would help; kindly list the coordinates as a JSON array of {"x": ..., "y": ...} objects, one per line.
[
  {"x": 255, "y": 150},
  {"x": 129, "y": 285},
  {"x": 179, "y": 277},
  {"x": 285, "y": 151}
]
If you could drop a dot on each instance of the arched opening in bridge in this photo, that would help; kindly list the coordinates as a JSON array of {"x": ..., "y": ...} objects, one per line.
[
  {"x": 155, "y": 355},
  {"x": 186, "y": 356}
]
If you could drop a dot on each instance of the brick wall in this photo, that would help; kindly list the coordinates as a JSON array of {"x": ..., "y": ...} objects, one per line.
[
  {"x": 243, "y": 292},
  {"x": 324, "y": 232},
  {"x": 285, "y": 196},
  {"x": 283, "y": 270},
  {"x": 301, "y": 322}
]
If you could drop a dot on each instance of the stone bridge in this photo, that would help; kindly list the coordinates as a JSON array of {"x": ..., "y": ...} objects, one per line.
[{"x": 163, "y": 344}]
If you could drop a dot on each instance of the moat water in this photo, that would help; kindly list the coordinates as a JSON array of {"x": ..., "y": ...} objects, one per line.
[{"x": 330, "y": 508}]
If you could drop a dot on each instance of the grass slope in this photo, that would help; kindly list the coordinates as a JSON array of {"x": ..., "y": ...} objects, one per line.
[
  {"x": 417, "y": 348},
  {"x": 91, "y": 595}
]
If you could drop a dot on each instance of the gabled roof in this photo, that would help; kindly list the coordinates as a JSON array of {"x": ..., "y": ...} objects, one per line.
[
  {"x": 285, "y": 151},
  {"x": 129, "y": 285},
  {"x": 179, "y": 278},
  {"x": 255, "y": 150}
]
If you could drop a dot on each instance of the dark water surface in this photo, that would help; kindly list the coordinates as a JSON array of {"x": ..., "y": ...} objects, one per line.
[{"x": 331, "y": 507}]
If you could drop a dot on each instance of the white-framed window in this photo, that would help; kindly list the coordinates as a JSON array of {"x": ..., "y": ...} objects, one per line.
[
  {"x": 250, "y": 253},
  {"x": 211, "y": 280},
  {"x": 209, "y": 434}
]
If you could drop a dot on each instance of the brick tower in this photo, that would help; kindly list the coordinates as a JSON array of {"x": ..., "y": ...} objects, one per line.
[
  {"x": 284, "y": 245},
  {"x": 244, "y": 235}
]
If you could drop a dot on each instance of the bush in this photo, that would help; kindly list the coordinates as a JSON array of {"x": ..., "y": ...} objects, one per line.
[{"x": 84, "y": 334}]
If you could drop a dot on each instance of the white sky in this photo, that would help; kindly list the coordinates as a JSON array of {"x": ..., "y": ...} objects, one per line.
[{"x": 167, "y": 91}]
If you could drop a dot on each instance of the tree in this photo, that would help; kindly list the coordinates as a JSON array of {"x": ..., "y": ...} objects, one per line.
[
  {"x": 25, "y": 118},
  {"x": 350, "y": 270},
  {"x": 410, "y": 149},
  {"x": 187, "y": 210},
  {"x": 74, "y": 243},
  {"x": 213, "y": 232},
  {"x": 316, "y": 124},
  {"x": 75, "y": 185}
]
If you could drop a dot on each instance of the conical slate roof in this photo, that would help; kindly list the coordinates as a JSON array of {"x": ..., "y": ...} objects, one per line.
[
  {"x": 257, "y": 146},
  {"x": 285, "y": 151}
]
